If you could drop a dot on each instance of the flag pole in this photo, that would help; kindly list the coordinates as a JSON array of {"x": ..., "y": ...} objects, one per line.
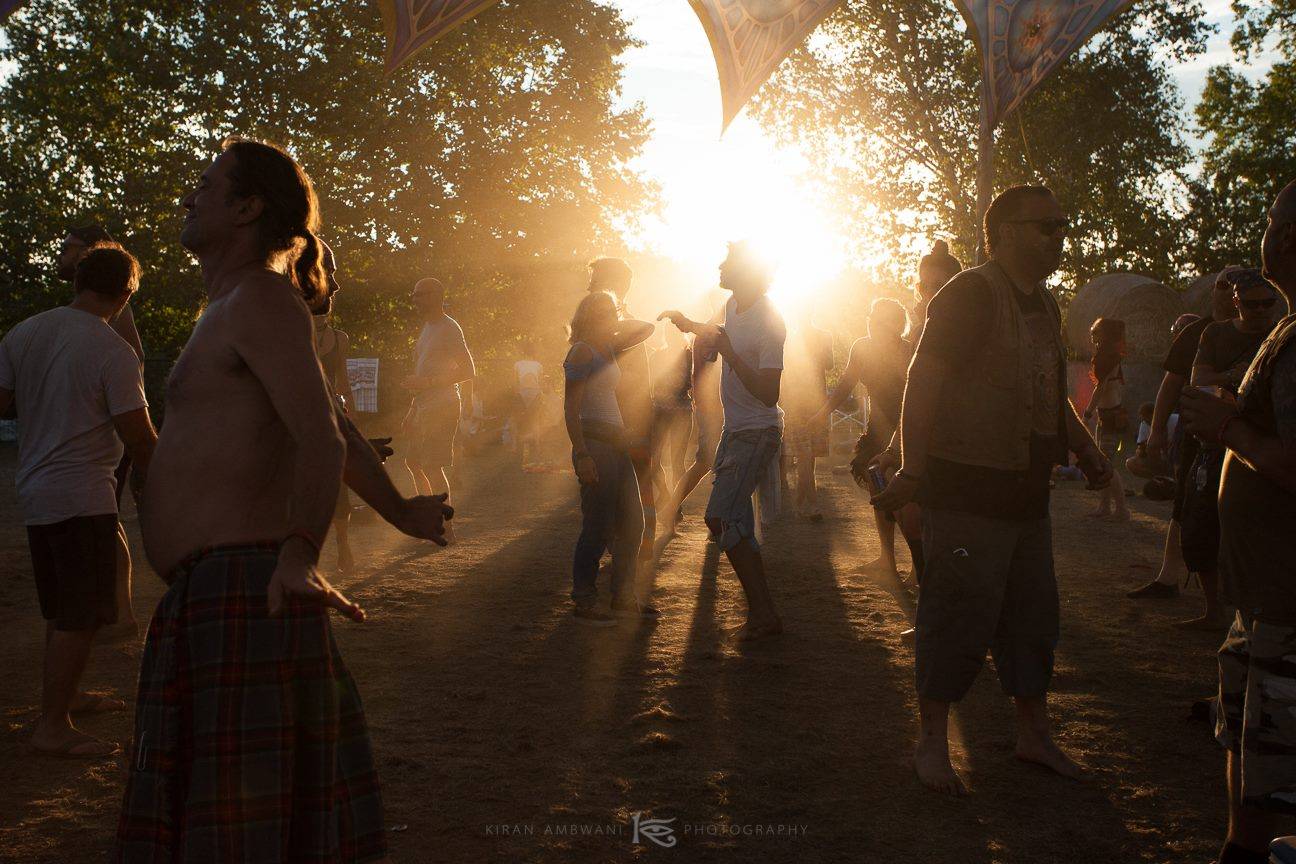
[{"x": 985, "y": 171}]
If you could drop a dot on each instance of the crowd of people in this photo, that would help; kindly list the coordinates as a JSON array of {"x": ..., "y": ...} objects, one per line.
[{"x": 249, "y": 731}]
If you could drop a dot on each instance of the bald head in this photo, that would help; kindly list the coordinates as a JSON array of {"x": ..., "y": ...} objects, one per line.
[
  {"x": 1278, "y": 249},
  {"x": 429, "y": 297}
]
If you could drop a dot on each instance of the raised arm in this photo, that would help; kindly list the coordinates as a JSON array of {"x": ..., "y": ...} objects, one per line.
[{"x": 270, "y": 330}]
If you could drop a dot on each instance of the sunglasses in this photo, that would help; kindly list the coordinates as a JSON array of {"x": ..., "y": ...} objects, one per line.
[
  {"x": 1264, "y": 303},
  {"x": 1047, "y": 227}
]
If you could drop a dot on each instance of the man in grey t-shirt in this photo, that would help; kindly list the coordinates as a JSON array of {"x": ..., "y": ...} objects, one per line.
[
  {"x": 751, "y": 343},
  {"x": 79, "y": 394}
]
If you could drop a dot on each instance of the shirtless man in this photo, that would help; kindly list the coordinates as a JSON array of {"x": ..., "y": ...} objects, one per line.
[
  {"x": 243, "y": 695},
  {"x": 75, "y": 244}
]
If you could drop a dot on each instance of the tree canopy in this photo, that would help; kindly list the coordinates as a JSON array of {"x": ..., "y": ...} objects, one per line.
[
  {"x": 1250, "y": 151},
  {"x": 885, "y": 100},
  {"x": 495, "y": 160}
]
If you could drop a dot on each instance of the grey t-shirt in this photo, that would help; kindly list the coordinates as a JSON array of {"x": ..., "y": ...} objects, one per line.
[
  {"x": 440, "y": 343},
  {"x": 70, "y": 374},
  {"x": 757, "y": 336}
]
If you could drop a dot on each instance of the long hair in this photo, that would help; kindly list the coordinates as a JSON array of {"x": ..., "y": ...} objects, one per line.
[
  {"x": 579, "y": 327},
  {"x": 1108, "y": 336},
  {"x": 290, "y": 211}
]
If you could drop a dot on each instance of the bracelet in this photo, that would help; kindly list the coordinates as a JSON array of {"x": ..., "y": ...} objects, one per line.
[
  {"x": 1223, "y": 427},
  {"x": 305, "y": 536}
]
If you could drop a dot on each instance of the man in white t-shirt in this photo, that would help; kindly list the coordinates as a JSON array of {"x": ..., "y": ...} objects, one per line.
[
  {"x": 79, "y": 394},
  {"x": 751, "y": 343},
  {"x": 75, "y": 244},
  {"x": 442, "y": 385}
]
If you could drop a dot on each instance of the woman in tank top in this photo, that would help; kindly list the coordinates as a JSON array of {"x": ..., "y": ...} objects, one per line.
[{"x": 611, "y": 512}]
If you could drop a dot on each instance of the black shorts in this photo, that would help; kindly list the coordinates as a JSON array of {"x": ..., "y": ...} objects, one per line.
[
  {"x": 75, "y": 564},
  {"x": 1200, "y": 535},
  {"x": 1187, "y": 455}
]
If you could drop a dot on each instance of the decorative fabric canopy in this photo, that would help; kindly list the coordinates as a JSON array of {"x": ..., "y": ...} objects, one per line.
[
  {"x": 750, "y": 38},
  {"x": 413, "y": 24},
  {"x": 1022, "y": 41}
]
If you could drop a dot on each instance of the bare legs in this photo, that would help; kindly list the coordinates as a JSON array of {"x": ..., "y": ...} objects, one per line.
[
  {"x": 886, "y": 561},
  {"x": 807, "y": 494},
  {"x": 762, "y": 620},
  {"x": 66, "y": 653},
  {"x": 1034, "y": 744},
  {"x": 1213, "y": 618},
  {"x": 126, "y": 626},
  {"x": 1248, "y": 827},
  {"x": 424, "y": 485},
  {"x": 341, "y": 530}
]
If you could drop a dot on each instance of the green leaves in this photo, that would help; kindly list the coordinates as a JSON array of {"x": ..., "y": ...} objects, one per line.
[{"x": 497, "y": 152}]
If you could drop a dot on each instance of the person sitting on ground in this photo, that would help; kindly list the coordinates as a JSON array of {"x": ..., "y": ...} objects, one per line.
[
  {"x": 1257, "y": 561},
  {"x": 611, "y": 509},
  {"x": 1139, "y": 465},
  {"x": 1226, "y": 350},
  {"x": 1107, "y": 404},
  {"x": 78, "y": 388}
]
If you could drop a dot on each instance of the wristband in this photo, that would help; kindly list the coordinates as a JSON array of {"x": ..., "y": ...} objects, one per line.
[{"x": 305, "y": 536}]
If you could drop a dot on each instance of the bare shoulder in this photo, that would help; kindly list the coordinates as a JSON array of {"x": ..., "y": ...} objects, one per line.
[{"x": 266, "y": 306}]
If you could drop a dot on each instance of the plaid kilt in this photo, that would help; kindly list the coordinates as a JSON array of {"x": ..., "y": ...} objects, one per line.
[{"x": 250, "y": 741}]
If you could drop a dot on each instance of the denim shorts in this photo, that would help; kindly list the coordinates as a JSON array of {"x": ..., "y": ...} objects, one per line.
[{"x": 741, "y": 461}]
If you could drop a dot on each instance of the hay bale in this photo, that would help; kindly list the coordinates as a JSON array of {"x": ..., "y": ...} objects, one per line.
[{"x": 1147, "y": 307}]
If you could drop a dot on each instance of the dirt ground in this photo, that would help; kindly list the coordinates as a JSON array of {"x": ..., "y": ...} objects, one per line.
[{"x": 506, "y": 732}]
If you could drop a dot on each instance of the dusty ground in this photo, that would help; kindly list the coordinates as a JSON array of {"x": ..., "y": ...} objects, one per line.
[{"x": 502, "y": 727}]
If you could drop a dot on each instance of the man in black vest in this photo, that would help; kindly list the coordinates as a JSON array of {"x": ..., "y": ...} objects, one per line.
[
  {"x": 1256, "y": 712},
  {"x": 985, "y": 419}
]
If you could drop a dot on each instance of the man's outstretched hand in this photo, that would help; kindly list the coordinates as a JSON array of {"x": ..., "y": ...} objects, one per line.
[{"x": 424, "y": 517}]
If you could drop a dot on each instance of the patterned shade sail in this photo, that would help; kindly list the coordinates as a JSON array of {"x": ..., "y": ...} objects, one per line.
[
  {"x": 414, "y": 24},
  {"x": 750, "y": 38},
  {"x": 1022, "y": 41}
]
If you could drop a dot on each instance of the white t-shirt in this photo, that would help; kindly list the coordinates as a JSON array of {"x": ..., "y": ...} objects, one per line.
[
  {"x": 528, "y": 379},
  {"x": 439, "y": 345},
  {"x": 1145, "y": 428},
  {"x": 71, "y": 374},
  {"x": 757, "y": 336}
]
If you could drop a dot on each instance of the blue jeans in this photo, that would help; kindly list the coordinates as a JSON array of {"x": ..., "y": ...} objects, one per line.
[
  {"x": 611, "y": 518},
  {"x": 741, "y": 461}
]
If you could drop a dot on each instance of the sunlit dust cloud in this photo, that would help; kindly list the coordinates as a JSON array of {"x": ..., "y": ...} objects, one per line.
[{"x": 745, "y": 187}]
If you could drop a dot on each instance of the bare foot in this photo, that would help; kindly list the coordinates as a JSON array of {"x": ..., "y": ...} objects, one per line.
[
  {"x": 753, "y": 631},
  {"x": 932, "y": 764},
  {"x": 346, "y": 562},
  {"x": 72, "y": 744},
  {"x": 1045, "y": 752},
  {"x": 883, "y": 566},
  {"x": 93, "y": 703}
]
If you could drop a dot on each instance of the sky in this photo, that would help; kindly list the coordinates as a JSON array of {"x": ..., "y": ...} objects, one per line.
[{"x": 707, "y": 181}]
